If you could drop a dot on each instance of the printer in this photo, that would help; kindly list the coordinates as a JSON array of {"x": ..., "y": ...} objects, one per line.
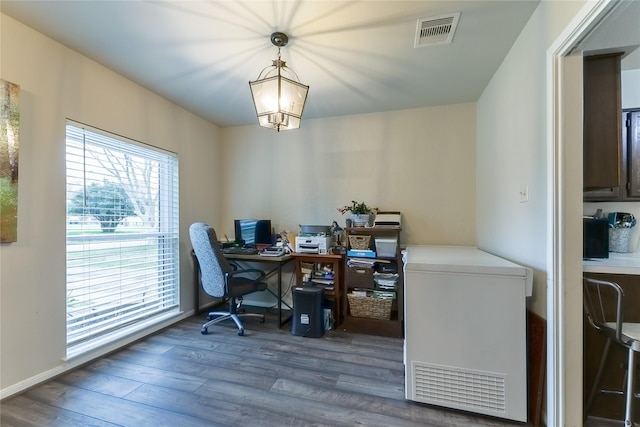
[
  {"x": 387, "y": 219},
  {"x": 313, "y": 244}
]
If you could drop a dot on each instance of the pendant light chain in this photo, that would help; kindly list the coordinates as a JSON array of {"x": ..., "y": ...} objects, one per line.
[{"x": 279, "y": 85}]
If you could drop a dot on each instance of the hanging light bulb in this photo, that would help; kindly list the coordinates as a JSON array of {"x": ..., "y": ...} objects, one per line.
[{"x": 279, "y": 100}]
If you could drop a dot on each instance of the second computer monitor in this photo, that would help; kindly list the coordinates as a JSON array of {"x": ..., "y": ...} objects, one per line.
[{"x": 253, "y": 231}]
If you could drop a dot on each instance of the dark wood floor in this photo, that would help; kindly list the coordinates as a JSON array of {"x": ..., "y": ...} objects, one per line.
[{"x": 267, "y": 378}]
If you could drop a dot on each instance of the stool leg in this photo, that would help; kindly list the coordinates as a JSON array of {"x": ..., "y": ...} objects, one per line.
[
  {"x": 598, "y": 377},
  {"x": 629, "y": 395}
]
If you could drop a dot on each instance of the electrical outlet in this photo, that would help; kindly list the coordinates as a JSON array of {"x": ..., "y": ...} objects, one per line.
[{"x": 524, "y": 193}]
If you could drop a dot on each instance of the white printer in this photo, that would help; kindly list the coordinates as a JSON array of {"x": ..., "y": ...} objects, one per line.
[{"x": 318, "y": 244}]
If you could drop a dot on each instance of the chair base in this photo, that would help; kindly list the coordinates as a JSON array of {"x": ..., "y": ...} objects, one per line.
[{"x": 218, "y": 316}]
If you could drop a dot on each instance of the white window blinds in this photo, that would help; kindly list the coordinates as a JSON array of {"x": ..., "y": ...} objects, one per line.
[{"x": 122, "y": 234}]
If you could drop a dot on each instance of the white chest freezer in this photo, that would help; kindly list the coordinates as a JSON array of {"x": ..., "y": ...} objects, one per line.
[{"x": 465, "y": 330}]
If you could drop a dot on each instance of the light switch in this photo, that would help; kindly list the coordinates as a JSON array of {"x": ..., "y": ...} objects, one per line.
[{"x": 524, "y": 193}]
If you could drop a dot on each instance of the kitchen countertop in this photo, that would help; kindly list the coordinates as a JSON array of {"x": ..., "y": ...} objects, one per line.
[{"x": 617, "y": 263}]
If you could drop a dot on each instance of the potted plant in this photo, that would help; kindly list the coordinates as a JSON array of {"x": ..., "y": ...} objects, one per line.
[{"x": 361, "y": 214}]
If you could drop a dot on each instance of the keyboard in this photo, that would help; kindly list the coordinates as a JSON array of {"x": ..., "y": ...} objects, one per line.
[{"x": 239, "y": 251}]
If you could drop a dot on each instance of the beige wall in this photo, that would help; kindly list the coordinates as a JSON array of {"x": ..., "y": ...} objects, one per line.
[
  {"x": 420, "y": 162},
  {"x": 57, "y": 83},
  {"x": 513, "y": 150},
  {"x": 630, "y": 88}
]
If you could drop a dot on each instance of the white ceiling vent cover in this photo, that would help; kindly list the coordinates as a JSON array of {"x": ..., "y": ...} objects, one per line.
[{"x": 436, "y": 30}]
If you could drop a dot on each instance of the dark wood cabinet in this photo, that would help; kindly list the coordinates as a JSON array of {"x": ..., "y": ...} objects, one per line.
[
  {"x": 361, "y": 278},
  {"x": 610, "y": 406},
  {"x": 601, "y": 122},
  {"x": 629, "y": 186},
  {"x": 632, "y": 137},
  {"x": 324, "y": 270}
]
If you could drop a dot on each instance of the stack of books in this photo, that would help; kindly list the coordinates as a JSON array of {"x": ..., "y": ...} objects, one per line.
[
  {"x": 386, "y": 285},
  {"x": 364, "y": 253},
  {"x": 323, "y": 278}
]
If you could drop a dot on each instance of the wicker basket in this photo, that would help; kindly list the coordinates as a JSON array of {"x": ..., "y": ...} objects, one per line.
[
  {"x": 359, "y": 242},
  {"x": 369, "y": 307}
]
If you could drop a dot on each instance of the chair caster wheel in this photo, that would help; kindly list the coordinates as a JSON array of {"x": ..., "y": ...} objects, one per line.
[
  {"x": 241, "y": 332},
  {"x": 203, "y": 331}
]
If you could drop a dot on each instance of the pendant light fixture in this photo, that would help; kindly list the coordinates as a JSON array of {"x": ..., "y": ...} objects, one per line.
[{"x": 279, "y": 100}]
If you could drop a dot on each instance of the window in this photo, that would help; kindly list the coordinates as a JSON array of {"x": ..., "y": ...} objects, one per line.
[{"x": 122, "y": 236}]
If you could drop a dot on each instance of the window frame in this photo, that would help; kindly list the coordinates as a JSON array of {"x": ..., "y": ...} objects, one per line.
[{"x": 153, "y": 251}]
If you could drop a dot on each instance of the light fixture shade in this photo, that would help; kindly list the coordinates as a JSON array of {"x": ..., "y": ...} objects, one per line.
[{"x": 279, "y": 101}]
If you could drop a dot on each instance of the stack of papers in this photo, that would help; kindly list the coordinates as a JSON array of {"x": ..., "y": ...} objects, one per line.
[
  {"x": 387, "y": 281},
  {"x": 361, "y": 262},
  {"x": 325, "y": 283},
  {"x": 365, "y": 262}
]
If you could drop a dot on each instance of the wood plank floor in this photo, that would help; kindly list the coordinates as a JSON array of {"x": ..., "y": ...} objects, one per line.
[{"x": 269, "y": 377}]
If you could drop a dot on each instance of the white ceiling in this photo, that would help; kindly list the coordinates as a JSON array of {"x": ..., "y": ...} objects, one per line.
[{"x": 356, "y": 56}]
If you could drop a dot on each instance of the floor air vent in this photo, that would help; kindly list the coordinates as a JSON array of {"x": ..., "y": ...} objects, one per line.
[
  {"x": 436, "y": 30},
  {"x": 482, "y": 392}
]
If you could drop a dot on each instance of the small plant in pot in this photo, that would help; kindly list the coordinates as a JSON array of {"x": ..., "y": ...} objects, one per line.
[{"x": 361, "y": 214}]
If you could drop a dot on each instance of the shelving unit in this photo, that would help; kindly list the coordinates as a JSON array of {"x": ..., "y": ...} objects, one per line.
[
  {"x": 316, "y": 266},
  {"x": 362, "y": 278}
]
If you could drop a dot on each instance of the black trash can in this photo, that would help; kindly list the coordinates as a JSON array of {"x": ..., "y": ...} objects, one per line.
[{"x": 308, "y": 312}]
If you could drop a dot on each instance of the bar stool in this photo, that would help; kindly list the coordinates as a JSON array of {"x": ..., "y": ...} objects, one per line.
[{"x": 603, "y": 305}]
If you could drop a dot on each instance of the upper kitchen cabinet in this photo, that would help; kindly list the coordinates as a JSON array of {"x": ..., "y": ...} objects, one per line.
[
  {"x": 602, "y": 133},
  {"x": 632, "y": 130},
  {"x": 629, "y": 187}
]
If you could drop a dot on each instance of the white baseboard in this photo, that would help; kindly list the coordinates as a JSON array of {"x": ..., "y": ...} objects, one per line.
[{"x": 80, "y": 359}]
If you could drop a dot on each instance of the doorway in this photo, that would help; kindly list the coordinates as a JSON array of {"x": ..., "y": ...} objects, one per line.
[{"x": 564, "y": 396}]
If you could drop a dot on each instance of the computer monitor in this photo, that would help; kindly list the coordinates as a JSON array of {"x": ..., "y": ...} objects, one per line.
[{"x": 251, "y": 232}]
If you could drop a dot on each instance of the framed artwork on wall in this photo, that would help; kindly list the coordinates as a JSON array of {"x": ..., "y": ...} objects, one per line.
[{"x": 9, "y": 149}]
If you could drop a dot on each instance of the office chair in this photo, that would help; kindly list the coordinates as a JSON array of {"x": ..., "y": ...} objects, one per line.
[
  {"x": 219, "y": 279},
  {"x": 604, "y": 307}
]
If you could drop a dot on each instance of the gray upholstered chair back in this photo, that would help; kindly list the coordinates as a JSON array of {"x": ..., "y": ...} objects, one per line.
[{"x": 212, "y": 262}]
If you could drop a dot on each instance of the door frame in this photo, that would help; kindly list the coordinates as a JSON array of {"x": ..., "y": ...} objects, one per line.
[{"x": 564, "y": 206}]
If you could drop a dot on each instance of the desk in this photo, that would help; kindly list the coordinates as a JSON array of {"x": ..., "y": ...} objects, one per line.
[{"x": 275, "y": 263}]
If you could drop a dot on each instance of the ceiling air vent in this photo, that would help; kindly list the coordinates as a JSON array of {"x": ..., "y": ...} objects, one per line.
[{"x": 436, "y": 30}]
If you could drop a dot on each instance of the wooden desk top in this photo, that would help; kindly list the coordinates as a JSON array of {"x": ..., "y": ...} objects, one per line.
[
  {"x": 259, "y": 258},
  {"x": 322, "y": 256}
]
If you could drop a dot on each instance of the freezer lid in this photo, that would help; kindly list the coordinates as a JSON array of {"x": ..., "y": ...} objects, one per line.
[{"x": 463, "y": 259}]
